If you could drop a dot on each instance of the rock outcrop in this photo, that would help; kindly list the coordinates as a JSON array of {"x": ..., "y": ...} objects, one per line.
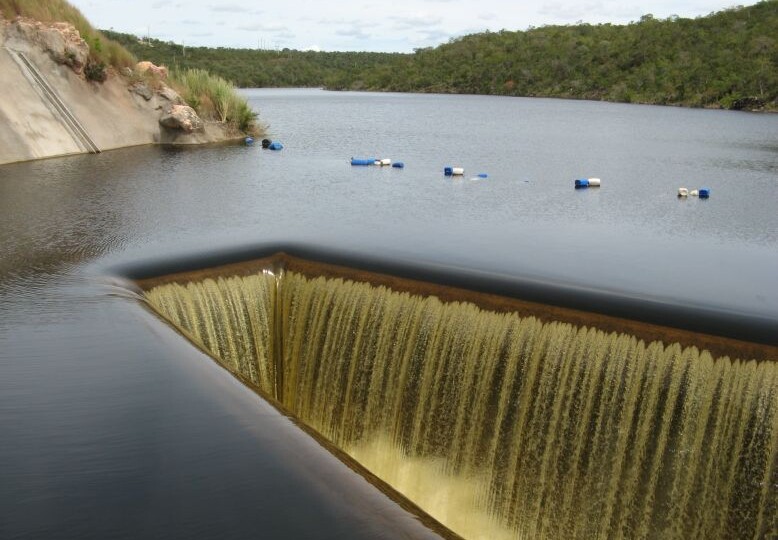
[
  {"x": 176, "y": 113},
  {"x": 171, "y": 95},
  {"x": 60, "y": 40},
  {"x": 42, "y": 63},
  {"x": 142, "y": 90},
  {"x": 148, "y": 67},
  {"x": 181, "y": 117}
]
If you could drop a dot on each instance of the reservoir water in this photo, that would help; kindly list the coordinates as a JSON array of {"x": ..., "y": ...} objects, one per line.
[{"x": 113, "y": 426}]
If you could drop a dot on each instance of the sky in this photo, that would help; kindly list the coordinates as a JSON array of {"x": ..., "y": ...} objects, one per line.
[{"x": 350, "y": 25}]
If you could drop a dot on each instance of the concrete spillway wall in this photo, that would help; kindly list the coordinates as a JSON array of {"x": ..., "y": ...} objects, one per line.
[{"x": 497, "y": 416}]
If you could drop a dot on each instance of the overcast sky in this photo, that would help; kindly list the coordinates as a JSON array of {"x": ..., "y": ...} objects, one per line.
[{"x": 350, "y": 25}]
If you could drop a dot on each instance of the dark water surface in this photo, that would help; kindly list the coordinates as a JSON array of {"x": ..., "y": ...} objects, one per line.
[{"x": 113, "y": 427}]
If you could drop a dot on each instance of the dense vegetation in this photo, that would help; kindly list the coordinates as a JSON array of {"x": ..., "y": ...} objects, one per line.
[
  {"x": 717, "y": 59},
  {"x": 250, "y": 68},
  {"x": 727, "y": 59},
  {"x": 213, "y": 97}
]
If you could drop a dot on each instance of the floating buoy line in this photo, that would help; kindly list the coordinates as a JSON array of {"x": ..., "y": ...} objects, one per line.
[
  {"x": 580, "y": 183},
  {"x": 378, "y": 162}
]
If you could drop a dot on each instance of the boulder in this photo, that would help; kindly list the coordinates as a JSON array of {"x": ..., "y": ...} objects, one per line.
[
  {"x": 171, "y": 95},
  {"x": 181, "y": 117},
  {"x": 157, "y": 71}
]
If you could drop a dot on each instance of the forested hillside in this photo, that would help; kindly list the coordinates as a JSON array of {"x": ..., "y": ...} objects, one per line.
[
  {"x": 258, "y": 68},
  {"x": 727, "y": 59}
]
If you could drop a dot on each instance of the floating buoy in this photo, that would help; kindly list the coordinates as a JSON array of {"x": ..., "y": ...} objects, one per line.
[
  {"x": 453, "y": 171},
  {"x": 694, "y": 193},
  {"x": 249, "y": 141},
  {"x": 483, "y": 175},
  {"x": 683, "y": 192},
  {"x": 382, "y": 162},
  {"x": 587, "y": 182},
  {"x": 704, "y": 193},
  {"x": 363, "y": 161},
  {"x": 398, "y": 165},
  {"x": 266, "y": 143},
  {"x": 275, "y": 145}
]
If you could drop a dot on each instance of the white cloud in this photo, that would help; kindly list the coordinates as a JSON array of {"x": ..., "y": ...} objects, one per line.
[
  {"x": 263, "y": 27},
  {"x": 231, "y": 8},
  {"x": 377, "y": 25},
  {"x": 567, "y": 12},
  {"x": 415, "y": 21},
  {"x": 356, "y": 33}
]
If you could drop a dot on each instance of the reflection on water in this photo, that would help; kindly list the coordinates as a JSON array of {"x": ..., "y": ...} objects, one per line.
[{"x": 500, "y": 424}]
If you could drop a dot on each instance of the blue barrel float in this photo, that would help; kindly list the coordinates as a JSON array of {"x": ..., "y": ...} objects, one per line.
[
  {"x": 704, "y": 193},
  {"x": 363, "y": 162},
  {"x": 398, "y": 165},
  {"x": 453, "y": 171},
  {"x": 275, "y": 145},
  {"x": 587, "y": 182},
  {"x": 249, "y": 141}
]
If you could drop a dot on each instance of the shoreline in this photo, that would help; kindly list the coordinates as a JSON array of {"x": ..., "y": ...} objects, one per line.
[
  {"x": 571, "y": 98},
  {"x": 375, "y": 91}
]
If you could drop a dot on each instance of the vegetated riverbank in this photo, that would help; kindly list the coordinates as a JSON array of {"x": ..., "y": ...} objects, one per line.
[
  {"x": 728, "y": 59},
  {"x": 68, "y": 89}
]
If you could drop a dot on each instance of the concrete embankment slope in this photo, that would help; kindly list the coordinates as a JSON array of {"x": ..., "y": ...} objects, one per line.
[
  {"x": 29, "y": 129},
  {"x": 47, "y": 109}
]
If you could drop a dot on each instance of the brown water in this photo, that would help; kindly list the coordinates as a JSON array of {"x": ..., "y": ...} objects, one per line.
[{"x": 497, "y": 424}]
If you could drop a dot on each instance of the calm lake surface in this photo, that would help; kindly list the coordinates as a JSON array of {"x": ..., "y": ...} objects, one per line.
[{"x": 114, "y": 427}]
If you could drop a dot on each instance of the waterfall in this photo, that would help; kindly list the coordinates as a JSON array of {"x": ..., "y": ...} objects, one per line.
[
  {"x": 501, "y": 425},
  {"x": 230, "y": 318}
]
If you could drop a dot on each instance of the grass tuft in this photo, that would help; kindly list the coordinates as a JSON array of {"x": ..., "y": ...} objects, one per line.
[{"x": 215, "y": 98}]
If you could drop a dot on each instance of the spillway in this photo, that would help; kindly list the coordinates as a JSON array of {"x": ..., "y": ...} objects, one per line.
[{"x": 500, "y": 418}]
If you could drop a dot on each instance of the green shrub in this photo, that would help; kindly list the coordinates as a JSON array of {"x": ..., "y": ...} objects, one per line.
[
  {"x": 95, "y": 71},
  {"x": 215, "y": 98}
]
